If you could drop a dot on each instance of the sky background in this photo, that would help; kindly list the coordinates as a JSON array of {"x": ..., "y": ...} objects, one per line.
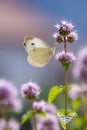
[{"x": 36, "y": 17}]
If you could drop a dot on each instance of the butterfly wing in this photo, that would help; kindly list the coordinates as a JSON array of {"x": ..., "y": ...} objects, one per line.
[{"x": 40, "y": 56}]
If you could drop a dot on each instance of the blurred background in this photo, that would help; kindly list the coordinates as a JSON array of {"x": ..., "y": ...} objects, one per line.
[{"x": 35, "y": 17}]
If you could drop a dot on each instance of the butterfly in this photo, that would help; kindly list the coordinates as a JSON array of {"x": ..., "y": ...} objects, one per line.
[{"x": 39, "y": 52}]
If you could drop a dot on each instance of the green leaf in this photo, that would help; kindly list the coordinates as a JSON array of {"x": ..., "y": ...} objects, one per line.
[
  {"x": 76, "y": 104},
  {"x": 65, "y": 119},
  {"x": 63, "y": 125},
  {"x": 43, "y": 114},
  {"x": 54, "y": 91},
  {"x": 27, "y": 116}
]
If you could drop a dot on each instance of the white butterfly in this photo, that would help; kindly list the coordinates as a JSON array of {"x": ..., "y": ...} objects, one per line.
[{"x": 39, "y": 52}]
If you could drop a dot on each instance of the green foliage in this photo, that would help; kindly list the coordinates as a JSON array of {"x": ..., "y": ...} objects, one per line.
[
  {"x": 65, "y": 64},
  {"x": 64, "y": 87},
  {"x": 54, "y": 92},
  {"x": 76, "y": 103},
  {"x": 78, "y": 122},
  {"x": 43, "y": 114},
  {"x": 65, "y": 118},
  {"x": 27, "y": 116}
]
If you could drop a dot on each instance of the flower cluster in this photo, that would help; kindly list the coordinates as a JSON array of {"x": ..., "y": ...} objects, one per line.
[
  {"x": 78, "y": 91},
  {"x": 52, "y": 122},
  {"x": 39, "y": 106},
  {"x": 9, "y": 96},
  {"x": 11, "y": 124},
  {"x": 65, "y": 58},
  {"x": 80, "y": 67},
  {"x": 30, "y": 90},
  {"x": 65, "y": 30}
]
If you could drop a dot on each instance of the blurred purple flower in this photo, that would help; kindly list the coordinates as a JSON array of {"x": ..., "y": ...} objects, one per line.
[
  {"x": 39, "y": 106},
  {"x": 75, "y": 91},
  {"x": 78, "y": 91},
  {"x": 16, "y": 105},
  {"x": 50, "y": 108},
  {"x": 9, "y": 96},
  {"x": 11, "y": 124},
  {"x": 30, "y": 90},
  {"x": 50, "y": 124},
  {"x": 80, "y": 67},
  {"x": 62, "y": 56}
]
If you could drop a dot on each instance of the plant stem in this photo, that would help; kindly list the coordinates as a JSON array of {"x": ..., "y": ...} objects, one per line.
[
  {"x": 34, "y": 119},
  {"x": 66, "y": 85},
  {"x": 66, "y": 94},
  {"x": 35, "y": 123}
]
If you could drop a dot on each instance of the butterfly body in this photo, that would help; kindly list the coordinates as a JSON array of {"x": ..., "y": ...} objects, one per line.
[{"x": 39, "y": 52}]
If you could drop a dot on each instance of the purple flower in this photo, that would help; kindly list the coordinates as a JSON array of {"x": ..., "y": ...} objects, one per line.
[
  {"x": 11, "y": 124},
  {"x": 75, "y": 91},
  {"x": 65, "y": 28},
  {"x": 78, "y": 91},
  {"x": 39, "y": 106},
  {"x": 16, "y": 105},
  {"x": 73, "y": 36},
  {"x": 7, "y": 89},
  {"x": 62, "y": 56},
  {"x": 30, "y": 90},
  {"x": 65, "y": 31},
  {"x": 59, "y": 38},
  {"x": 65, "y": 59},
  {"x": 50, "y": 124},
  {"x": 8, "y": 96},
  {"x": 64, "y": 23},
  {"x": 50, "y": 108},
  {"x": 80, "y": 67}
]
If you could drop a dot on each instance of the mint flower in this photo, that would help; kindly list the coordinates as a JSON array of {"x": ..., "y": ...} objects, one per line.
[
  {"x": 75, "y": 91},
  {"x": 30, "y": 90},
  {"x": 50, "y": 124},
  {"x": 65, "y": 32},
  {"x": 66, "y": 23},
  {"x": 73, "y": 36},
  {"x": 39, "y": 106},
  {"x": 58, "y": 37},
  {"x": 11, "y": 124},
  {"x": 9, "y": 96},
  {"x": 50, "y": 108},
  {"x": 65, "y": 58},
  {"x": 65, "y": 28},
  {"x": 78, "y": 91},
  {"x": 80, "y": 67}
]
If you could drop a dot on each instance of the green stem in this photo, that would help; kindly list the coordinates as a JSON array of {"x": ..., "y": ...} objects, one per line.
[
  {"x": 34, "y": 118},
  {"x": 66, "y": 85},
  {"x": 35, "y": 122},
  {"x": 66, "y": 94}
]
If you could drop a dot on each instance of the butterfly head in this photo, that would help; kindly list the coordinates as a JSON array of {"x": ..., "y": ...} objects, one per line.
[{"x": 29, "y": 43}]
